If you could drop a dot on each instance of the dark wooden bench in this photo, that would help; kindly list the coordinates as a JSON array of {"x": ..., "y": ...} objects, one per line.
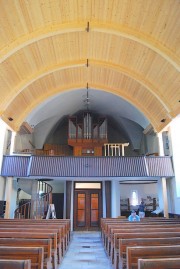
[
  {"x": 109, "y": 226},
  {"x": 25, "y": 242},
  {"x": 15, "y": 264},
  {"x": 113, "y": 244},
  {"x": 120, "y": 258},
  {"x": 61, "y": 241},
  {"x": 135, "y": 253},
  {"x": 63, "y": 224},
  {"x": 106, "y": 221},
  {"x": 38, "y": 230},
  {"x": 35, "y": 235},
  {"x": 143, "y": 235},
  {"x": 165, "y": 263},
  {"x": 36, "y": 255}
]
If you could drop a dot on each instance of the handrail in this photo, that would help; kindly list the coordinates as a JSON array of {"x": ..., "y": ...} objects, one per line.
[
  {"x": 115, "y": 149},
  {"x": 36, "y": 209}
]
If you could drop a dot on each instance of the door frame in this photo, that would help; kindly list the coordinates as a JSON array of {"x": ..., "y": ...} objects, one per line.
[{"x": 100, "y": 204}]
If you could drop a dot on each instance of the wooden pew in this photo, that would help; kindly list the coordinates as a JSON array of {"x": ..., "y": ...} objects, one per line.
[
  {"x": 61, "y": 246},
  {"x": 36, "y": 255},
  {"x": 105, "y": 221},
  {"x": 135, "y": 253},
  {"x": 113, "y": 244},
  {"x": 109, "y": 226},
  {"x": 165, "y": 263},
  {"x": 15, "y": 264},
  {"x": 61, "y": 223},
  {"x": 141, "y": 235},
  {"x": 25, "y": 242},
  {"x": 120, "y": 259},
  {"x": 38, "y": 230},
  {"x": 32, "y": 235}
]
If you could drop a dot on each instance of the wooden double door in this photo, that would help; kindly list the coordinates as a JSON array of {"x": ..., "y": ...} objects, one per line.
[{"x": 87, "y": 209}]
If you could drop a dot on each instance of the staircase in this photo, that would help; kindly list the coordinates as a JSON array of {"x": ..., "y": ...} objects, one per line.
[{"x": 38, "y": 206}]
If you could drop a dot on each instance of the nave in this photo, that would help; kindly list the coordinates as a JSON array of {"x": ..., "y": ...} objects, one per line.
[
  {"x": 86, "y": 251},
  {"x": 152, "y": 243}
]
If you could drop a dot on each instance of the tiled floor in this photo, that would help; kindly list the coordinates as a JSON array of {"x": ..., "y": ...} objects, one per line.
[{"x": 86, "y": 251}]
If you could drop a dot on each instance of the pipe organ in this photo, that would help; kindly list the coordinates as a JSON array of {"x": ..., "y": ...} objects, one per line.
[{"x": 87, "y": 134}]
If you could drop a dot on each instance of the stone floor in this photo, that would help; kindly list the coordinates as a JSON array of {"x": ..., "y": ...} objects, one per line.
[{"x": 85, "y": 251}]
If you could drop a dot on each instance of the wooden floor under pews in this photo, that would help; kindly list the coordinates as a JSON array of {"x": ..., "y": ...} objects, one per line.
[{"x": 152, "y": 243}]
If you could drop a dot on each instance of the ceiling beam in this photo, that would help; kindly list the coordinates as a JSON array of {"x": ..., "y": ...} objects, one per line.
[{"x": 101, "y": 27}]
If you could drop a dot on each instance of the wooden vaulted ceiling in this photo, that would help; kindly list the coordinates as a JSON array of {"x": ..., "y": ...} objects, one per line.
[{"x": 130, "y": 48}]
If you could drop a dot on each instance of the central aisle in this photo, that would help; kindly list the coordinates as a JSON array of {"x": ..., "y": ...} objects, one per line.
[{"x": 85, "y": 251}]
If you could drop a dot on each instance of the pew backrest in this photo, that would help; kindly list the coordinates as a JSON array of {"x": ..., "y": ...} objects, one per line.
[
  {"x": 135, "y": 253},
  {"x": 124, "y": 243},
  {"x": 31, "y": 235},
  {"x": 165, "y": 263},
  {"x": 29, "y": 242},
  {"x": 15, "y": 264},
  {"x": 35, "y": 254}
]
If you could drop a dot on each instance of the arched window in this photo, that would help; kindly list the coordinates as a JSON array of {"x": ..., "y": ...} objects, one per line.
[{"x": 134, "y": 198}]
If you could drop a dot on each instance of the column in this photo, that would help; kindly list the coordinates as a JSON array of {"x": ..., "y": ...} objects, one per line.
[
  {"x": 165, "y": 200},
  {"x": 115, "y": 199},
  {"x": 64, "y": 209},
  {"x": 104, "y": 198},
  {"x": 72, "y": 205},
  {"x": 34, "y": 194},
  {"x": 175, "y": 145},
  {"x": 12, "y": 143},
  {"x": 161, "y": 147},
  {"x": 2, "y": 140},
  {"x": 108, "y": 198},
  {"x": 160, "y": 194},
  {"x": 8, "y": 194}
]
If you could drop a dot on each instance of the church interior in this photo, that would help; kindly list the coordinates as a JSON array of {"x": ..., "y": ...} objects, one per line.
[{"x": 89, "y": 120}]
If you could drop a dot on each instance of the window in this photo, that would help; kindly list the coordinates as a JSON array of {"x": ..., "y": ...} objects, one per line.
[
  {"x": 134, "y": 198},
  {"x": 88, "y": 185}
]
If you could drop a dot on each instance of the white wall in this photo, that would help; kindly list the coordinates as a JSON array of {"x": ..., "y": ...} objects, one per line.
[
  {"x": 134, "y": 132},
  {"x": 22, "y": 142},
  {"x": 58, "y": 186},
  {"x": 143, "y": 190},
  {"x": 24, "y": 195},
  {"x": 13, "y": 199},
  {"x": 41, "y": 132},
  {"x": 152, "y": 143}
]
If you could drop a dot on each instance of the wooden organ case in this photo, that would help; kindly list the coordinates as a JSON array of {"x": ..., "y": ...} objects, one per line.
[{"x": 87, "y": 134}]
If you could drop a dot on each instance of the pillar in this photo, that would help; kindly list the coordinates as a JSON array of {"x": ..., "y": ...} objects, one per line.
[
  {"x": 165, "y": 199},
  {"x": 175, "y": 145},
  {"x": 34, "y": 195},
  {"x": 2, "y": 141},
  {"x": 7, "y": 196},
  {"x": 104, "y": 199},
  {"x": 72, "y": 206},
  {"x": 161, "y": 147},
  {"x": 64, "y": 209},
  {"x": 12, "y": 143},
  {"x": 115, "y": 199}
]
